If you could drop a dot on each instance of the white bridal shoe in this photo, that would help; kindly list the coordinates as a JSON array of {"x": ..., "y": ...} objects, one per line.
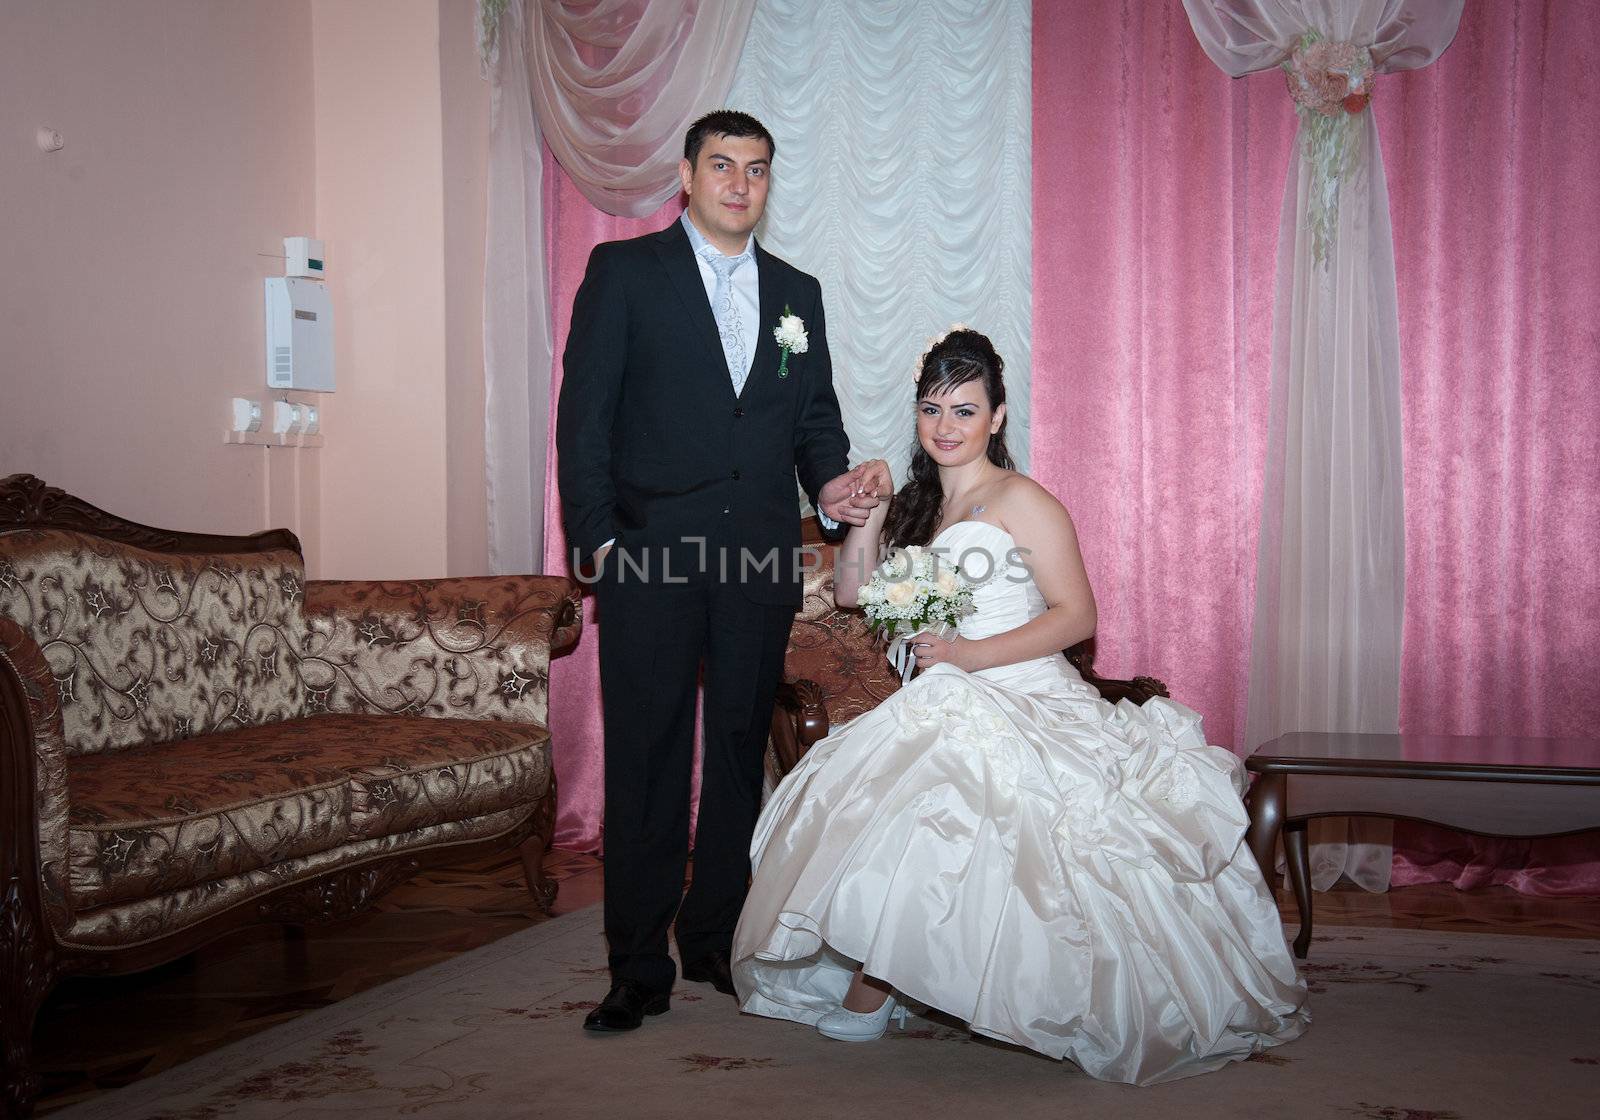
[{"x": 862, "y": 1026}]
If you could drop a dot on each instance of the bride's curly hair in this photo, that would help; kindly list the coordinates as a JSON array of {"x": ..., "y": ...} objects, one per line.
[{"x": 959, "y": 357}]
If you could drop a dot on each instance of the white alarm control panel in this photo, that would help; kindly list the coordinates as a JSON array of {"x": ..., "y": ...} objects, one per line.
[{"x": 299, "y": 335}]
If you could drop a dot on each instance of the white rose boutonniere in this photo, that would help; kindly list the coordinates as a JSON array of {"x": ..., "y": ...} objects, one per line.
[{"x": 791, "y": 335}]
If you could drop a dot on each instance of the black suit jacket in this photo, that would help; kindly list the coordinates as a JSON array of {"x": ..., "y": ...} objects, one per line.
[{"x": 653, "y": 447}]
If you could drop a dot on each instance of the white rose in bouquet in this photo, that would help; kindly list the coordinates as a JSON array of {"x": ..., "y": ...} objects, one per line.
[{"x": 900, "y": 594}]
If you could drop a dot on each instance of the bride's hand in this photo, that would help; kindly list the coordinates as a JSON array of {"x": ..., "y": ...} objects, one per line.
[
  {"x": 875, "y": 478},
  {"x": 930, "y": 649}
]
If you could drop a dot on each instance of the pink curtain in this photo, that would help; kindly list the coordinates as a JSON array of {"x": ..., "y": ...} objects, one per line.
[
  {"x": 1157, "y": 188},
  {"x": 1157, "y": 184},
  {"x": 573, "y": 227},
  {"x": 1493, "y": 156}
]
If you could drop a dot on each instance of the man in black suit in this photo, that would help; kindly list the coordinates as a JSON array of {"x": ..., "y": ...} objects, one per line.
[{"x": 681, "y": 427}]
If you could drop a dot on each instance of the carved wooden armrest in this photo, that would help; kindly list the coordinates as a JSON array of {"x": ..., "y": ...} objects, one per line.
[
  {"x": 1112, "y": 689},
  {"x": 799, "y": 721},
  {"x": 476, "y": 647}
]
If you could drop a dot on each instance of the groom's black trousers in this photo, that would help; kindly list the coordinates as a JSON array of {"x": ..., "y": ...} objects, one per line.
[{"x": 654, "y": 639}]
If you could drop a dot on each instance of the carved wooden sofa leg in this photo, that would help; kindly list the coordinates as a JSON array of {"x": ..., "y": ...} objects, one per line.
[
  {"x": 534, "y": 848},
  {"x": 27, "y": 973}
]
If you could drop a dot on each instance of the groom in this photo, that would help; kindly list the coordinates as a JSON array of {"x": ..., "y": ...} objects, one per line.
[{"x": 681, "y": 427}]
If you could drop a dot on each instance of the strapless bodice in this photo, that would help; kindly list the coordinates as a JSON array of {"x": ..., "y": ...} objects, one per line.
[
  {"x": 1004, "y": 597},
  {"x": 1003, "y": 591}
]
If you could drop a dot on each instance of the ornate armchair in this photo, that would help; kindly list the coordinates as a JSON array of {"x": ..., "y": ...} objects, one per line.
[{"x": 835, "y": 669}]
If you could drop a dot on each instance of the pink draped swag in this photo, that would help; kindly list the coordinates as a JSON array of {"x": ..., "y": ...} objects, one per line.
[
  {"x": 616, "y": 82},
  {"x": 1157, "y": 187}
]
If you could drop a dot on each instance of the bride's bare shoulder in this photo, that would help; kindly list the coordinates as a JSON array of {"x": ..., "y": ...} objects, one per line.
[{"x": 1019, "y": 500}]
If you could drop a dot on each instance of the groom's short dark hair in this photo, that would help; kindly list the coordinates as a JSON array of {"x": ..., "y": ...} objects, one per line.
[{"x": 725, "y": 122}]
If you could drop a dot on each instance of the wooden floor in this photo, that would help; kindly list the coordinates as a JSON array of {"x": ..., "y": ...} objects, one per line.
[{"x": 95, "y": 1035}]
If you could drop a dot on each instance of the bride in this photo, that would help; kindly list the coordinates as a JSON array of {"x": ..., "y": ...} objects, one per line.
[{"x": 995, "y": 841}]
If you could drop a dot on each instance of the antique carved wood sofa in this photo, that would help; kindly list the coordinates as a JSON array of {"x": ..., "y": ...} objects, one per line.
[
  {"x": 193, "y": 738},
  {"x": 835, "y": 669}
]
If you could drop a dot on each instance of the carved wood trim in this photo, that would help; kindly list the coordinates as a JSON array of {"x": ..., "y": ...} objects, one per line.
[
  {"x": 537, "y": 845},
  {"x": 28, "y": 962},
  {"x": 336, "y": 894},
  {"x": 27, "y": 973},
  {"x": 27, "y": 502},
  {"x": 306, "y": 907}
]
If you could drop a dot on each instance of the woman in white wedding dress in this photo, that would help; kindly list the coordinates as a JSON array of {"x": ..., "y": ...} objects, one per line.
[{"x": 994, "y": 840}]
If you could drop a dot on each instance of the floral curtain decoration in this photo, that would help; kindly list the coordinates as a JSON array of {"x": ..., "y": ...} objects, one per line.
[
  {"x": 1331, "y": 84},
  {"x": 1330, "y": 562}
]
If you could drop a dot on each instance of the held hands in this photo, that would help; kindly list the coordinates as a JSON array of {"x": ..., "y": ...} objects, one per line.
[
  {"x": 851, "y": 498},
  {"x": 930, "y": 649}
]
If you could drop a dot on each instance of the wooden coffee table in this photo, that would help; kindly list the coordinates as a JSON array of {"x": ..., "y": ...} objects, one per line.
[{"x": 1490, "y": 785}]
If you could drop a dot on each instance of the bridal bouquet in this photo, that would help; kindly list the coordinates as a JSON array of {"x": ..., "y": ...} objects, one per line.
[{"x": 914, "y": 590}]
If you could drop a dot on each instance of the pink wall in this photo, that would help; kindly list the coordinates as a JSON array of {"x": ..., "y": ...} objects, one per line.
[
  {"x": 130, "y": 297},
  {"x": 464, "y": 114},
  {"x": 380, "y": 205},
  {"x": 402, "y": 140},
  {"x": 136, "y": 312}
]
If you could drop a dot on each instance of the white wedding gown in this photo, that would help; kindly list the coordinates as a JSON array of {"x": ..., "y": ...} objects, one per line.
[{"x": 1008, "y": 848}]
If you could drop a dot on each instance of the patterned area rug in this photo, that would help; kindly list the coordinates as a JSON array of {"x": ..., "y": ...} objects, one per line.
[{"x": 1407, "y": 1025}]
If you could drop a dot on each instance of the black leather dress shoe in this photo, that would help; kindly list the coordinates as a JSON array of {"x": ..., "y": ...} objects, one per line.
[
  {"x": 714, "y": 969},
  {"x": 625, "y": 1007}
]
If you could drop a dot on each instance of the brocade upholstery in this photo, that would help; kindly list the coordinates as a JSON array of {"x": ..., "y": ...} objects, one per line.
[
  {"x": 144, "y": 919},
  {"x": 146, "y": 646},
  {"x": 477, "y": 647},
  {"x": 157, "y": 818},
  {"x": 834, "y": 648},
  {"x": 201, "y": 736}
]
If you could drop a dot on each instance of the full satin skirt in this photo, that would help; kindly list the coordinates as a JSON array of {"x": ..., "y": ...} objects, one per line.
[{"x": 1010, "y": 849}]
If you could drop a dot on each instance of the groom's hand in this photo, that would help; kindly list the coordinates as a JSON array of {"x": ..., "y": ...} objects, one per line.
[{"x": 851, "y": 497}]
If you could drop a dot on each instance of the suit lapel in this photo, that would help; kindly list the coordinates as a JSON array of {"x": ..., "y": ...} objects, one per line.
[
  {"x": 765, "y": 361},
  {"x": 677, "y": 258}
]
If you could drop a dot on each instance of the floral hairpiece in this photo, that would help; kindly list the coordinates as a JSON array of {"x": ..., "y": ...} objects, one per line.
[{"x": 934, "y": 340}]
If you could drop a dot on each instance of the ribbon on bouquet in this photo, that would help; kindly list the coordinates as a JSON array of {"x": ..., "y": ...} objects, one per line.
[{"x": 901, "y": 655}]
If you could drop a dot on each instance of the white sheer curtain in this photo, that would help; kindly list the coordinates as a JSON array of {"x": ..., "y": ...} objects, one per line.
[
  {"x": 516, "y": 302},
  {"x": 611, "y": 86},
  {"x": 904, "y": 182},
  {"x": 1330, "y": 578}
]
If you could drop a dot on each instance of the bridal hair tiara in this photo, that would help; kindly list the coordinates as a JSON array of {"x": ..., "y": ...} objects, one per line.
[{"x": 934, "y": 340}]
